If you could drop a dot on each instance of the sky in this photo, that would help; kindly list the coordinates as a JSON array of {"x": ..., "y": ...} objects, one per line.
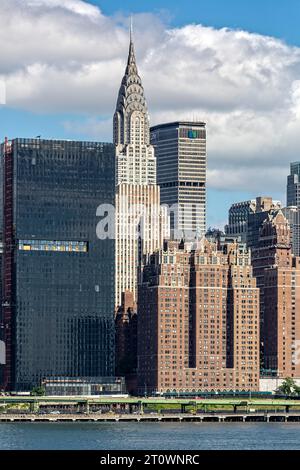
[{"x": 234, "y": 64}]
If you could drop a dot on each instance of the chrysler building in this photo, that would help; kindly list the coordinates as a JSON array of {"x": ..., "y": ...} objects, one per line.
[{"x": 141, "y": 224}]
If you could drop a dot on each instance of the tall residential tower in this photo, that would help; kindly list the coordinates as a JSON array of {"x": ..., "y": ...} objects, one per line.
[{"x": 198, "y": 319}]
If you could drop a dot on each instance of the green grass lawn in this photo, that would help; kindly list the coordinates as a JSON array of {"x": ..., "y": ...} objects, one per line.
[{"x": 204, "y": 407}]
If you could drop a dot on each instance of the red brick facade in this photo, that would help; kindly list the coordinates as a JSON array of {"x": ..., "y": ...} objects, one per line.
[
  {"x": 198, "y": 320},
  {"x": 278, "y": 276}
]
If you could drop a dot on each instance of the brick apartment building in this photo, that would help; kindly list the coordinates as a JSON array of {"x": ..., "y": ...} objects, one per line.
[
  {"x": 278, "y": 275},
  {"x": 198, "y": 319}
]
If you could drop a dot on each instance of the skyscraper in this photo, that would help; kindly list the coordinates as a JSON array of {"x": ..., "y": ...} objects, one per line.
[
  {"x": 141, "y": 224},
  {"x": 238, "y": 219},
  {"x": 292, "y": 211},
  {"x": 180, "y": 149},
  {"x": 198, "y": 319},
  {"x": 245, "y": 218},
  {"x": 293, "y": 185},
  {"x": 277, "y": 272},
  {"x": 292, "y": 214},
  {"x": 58, "y": 277}
]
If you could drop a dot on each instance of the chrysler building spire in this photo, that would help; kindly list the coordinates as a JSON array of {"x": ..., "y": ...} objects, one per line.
[
  {"x": 131, "y": 29},
  {"x": 135, "y": 161},
  {"x": 131, "y": 104},
  {"x": 131, "y": 56}
]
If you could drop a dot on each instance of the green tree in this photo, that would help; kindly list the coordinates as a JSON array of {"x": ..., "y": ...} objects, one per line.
[
  {"x": 289, "y": 387},
  {"x": 37, "y": 392},
  {"x": 297, "y": 390}
]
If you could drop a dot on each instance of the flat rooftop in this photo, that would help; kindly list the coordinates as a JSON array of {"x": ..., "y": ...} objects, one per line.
[{"x": 178, "y": 124}]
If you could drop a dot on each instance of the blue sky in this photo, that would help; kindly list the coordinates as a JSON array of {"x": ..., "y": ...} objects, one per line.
[
  {"x": 279, "y": 18},
  {"x": 63, "y": 120}
]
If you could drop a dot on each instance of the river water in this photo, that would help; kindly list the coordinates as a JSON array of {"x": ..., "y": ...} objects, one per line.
[{"x": 149, "y": 436}]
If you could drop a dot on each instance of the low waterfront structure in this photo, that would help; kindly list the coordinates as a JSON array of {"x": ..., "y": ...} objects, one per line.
[{"x": 84, "y": 386}]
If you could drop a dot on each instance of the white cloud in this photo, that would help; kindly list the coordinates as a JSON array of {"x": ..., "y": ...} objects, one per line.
[
  {"x": 76, "y": 6},
  {"x": 66, "y": 56}
]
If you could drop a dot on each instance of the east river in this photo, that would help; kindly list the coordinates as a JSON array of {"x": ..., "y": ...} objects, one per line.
[{"x": 149, "y": 436}]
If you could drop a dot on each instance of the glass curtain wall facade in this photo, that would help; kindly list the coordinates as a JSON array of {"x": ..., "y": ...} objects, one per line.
[
  {"x": 293, "y": 185},
  {"x": 292, "y": 211},
  {"x": 58, "y": 291},
  {"x": 292, "y": 214}
]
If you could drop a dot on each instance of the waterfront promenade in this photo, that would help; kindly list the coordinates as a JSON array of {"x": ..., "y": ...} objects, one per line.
[{"x": 137, "y": 409}]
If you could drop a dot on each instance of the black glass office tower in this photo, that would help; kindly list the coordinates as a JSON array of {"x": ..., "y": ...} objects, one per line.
[{"x": 58, "y": 277}]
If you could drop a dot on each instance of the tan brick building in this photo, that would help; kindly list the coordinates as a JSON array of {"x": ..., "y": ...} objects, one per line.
[{"x": 198, "y": 319}]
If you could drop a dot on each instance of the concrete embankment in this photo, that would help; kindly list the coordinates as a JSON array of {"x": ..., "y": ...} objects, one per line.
[{"x": 159, "y": 417}]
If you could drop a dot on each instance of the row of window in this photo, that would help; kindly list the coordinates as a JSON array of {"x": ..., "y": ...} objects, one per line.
[{"x": 49, "y": 245}]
